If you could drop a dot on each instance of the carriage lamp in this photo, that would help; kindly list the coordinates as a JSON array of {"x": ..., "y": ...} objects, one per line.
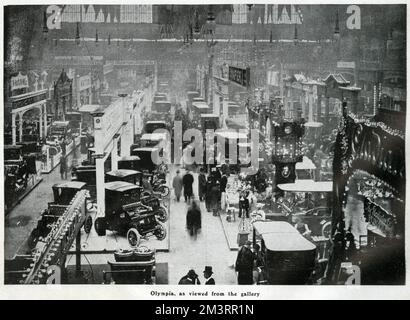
[{"x": 285, "y": 172}]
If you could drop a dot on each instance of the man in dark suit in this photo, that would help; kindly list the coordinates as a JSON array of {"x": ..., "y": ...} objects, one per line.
[
  {"x": 208, "y": 275},
  {"x": 187, "y": 181},
  {"x": 190, "y": 278},
  {"x": 244, "y": 264}
]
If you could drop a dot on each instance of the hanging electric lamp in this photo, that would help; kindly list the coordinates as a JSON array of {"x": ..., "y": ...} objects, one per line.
[
  {"x": 45, "y": 28},
  {"x": 77, "y": 34},
  {"x": 295, "y": 37},
  {"x": 336, "y": 35}
]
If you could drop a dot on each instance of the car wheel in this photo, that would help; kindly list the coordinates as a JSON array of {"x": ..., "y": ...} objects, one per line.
[
  {"x": 164, "y": 190},
  {"x": 88, "y": 224},
  {"x": 100, "y": 226},
  {"x": 327, "y": 230},
  {"x": 162, "y": 214},
  {"x": 160, "y": 232},
  {"x": 133, "y": 237}
]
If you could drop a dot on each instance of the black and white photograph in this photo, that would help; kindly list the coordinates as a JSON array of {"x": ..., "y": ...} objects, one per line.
[{"x": 237, "y": 144}]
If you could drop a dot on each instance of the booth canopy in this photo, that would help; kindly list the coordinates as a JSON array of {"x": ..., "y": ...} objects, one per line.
[
  {"x": 306, "y": 164},
  {"x": 314, "y": 124},
  {"x": 70, "y": 185},
  {"x": 282, "y": 236},
  {"x": 89, "y": 108},
  {"x": 123, "y": 173},
  {"x": 307, "y": 186}
]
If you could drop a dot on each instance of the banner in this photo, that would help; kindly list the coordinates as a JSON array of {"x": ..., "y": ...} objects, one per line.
[{"x": 19, "y": 82}]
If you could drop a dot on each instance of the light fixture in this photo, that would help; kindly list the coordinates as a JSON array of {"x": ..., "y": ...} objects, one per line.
[
  {"x": 295, "y": 37},
  {"x": 389, "y": 39},
  {"x": 45, "y": 28},
  {"x": 336, "y": 35},
  {"x": 77, "y": 34},
  {"x": 210, "y": 23}
]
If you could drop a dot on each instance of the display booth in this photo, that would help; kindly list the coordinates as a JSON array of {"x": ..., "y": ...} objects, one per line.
[{"x": 369, "y": 192}]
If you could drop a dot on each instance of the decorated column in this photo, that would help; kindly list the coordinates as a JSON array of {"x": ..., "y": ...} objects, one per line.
[
  {"x": 41, "y": 121},
  {"x": 114, "y": 152},
  {"x": 13, "y": 127},
  {"x": 21, "y": 127},
  {"x": 45, "y": 119}
]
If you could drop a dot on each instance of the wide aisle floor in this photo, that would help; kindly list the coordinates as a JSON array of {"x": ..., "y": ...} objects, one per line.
[{"x": 208, "y": 249}]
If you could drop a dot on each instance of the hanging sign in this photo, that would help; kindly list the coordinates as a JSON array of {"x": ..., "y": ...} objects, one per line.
[
  {"x": 240, "y": 76},
  {"x": 346, "y": 64},
  {"x": 19, "y": 82}
]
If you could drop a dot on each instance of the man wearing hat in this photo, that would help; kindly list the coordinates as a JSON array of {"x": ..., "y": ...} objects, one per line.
[
  {"x": 244, "y": 264},
  {"x": 208, "y": 275},
  {"x": 190, "y": 278}
]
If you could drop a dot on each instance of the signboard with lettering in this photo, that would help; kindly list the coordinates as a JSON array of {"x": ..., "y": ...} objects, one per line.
[
  {"x": 380, "y": 221},
  {"x": 19, "y": 82},
  {"x": 240, "y": 76},
  {"x": 131, "y": 62},
  {"x": 28, "y": 99},
  {"x": 108, "y": 68},
  {"x": 346, "y": 64}
]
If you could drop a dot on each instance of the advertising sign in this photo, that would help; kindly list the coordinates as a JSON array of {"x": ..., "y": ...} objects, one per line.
[
  {"x": 240, "y": 76},
  {"x": 19, "y": 82}
]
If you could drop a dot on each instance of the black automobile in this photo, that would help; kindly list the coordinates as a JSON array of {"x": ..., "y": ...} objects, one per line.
[
  {"x": 125, "y": 214},
  {"x": 63, "y": 193},
  {"x": 146, "y": 198}
]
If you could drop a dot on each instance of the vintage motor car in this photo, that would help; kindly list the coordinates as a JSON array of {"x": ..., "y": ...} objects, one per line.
[
  {"x": 152, "y": 125},
  {"x": 63, "y": 194},
  {"x": 129, "y": 162},
  {"x": 286, "y": 256},
  {"x": 144, "y": 153},
  {"x": 125, "y": 214},
  {"x": 146, "y": 198}
]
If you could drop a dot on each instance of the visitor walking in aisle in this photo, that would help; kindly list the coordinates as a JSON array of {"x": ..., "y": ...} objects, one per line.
[
  {"x": 63, "y": 167},
  {"x": 202, "y": 185},
  {"x": 187, "y": 181},
  {"x": 193, "y": 220},
  {"x": 177, "y": 185}
]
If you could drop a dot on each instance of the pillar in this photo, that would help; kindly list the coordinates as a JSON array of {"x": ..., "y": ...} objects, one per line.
[
  {"x": 21, "y": 127},
  {"x": 77, "y": 91},
  {"x": 41, "y": 121},
  {"x": 216, "y": 106},
  {"x": 319, "y": 108},
  {"x": 310, "y": 107},
  {"x": 13, "y": 128},
  {"x": 114, "y": 153},
  {"x": 225, "y": 108},
  {"x": 327, "y": 106},
  {"x": 90, "y": 96},
  {"x": 99, "y": 172},
  {"x": 45, "y": 119},
  {"x": 155, "y": 77}
]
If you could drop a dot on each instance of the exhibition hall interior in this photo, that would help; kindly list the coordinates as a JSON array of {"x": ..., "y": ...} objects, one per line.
[{"x": 230, "y": 144}]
